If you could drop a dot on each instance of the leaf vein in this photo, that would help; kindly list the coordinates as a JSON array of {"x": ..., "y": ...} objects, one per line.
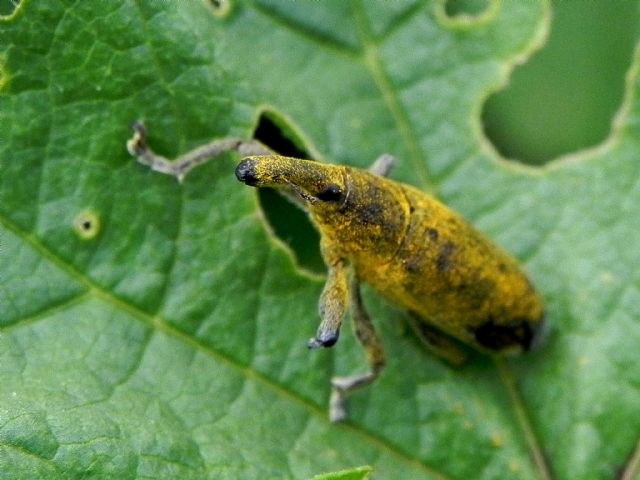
[
  {"x": 316, "y": 37},
  {"x": 29, "y": 453},
  {"x": 543, "y": 469},
  {"x": 373, "y": 62}
]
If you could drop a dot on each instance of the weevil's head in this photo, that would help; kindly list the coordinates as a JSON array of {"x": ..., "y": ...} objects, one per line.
[
  {"x": 352, "y": 208},
  {"x": 318, "y": 186}
]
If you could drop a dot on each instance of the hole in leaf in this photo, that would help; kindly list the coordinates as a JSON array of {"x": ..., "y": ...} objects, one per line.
[
  {"x": 465, "y": 8},
  {"x": 564, "y": 99},
  {"x": 7, "y": 7},
  {"x": 289, "y": 222},
  {"x": 220, "y": 8},
  {"x": 275, "y": 133},
  {"x": 86, "y": 225}
]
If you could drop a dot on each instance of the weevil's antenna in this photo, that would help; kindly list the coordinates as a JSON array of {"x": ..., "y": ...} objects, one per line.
[{"x": 301, "y": 193}]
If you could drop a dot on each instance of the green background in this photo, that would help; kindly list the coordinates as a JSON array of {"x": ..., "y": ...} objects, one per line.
[{"x": 158, "y": 330}]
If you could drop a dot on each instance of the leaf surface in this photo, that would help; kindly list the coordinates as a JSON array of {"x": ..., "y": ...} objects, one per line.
[{"x": 166, "y": 337}]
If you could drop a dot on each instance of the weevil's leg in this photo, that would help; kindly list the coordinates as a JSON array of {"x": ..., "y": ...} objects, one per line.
[
  {"x": 368, "y": 338},
  {"x": 383, "y": 165},
  {"x": 437, "y": 342},
  {"x": 333, "y": 303},
  {"x": 138, "y": 147}
]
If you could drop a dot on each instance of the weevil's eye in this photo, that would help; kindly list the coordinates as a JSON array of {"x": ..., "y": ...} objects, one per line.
[{"x": 330, "y": 193}]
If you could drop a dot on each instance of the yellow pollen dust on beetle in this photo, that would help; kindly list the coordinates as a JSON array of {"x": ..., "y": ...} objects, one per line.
[{"x": 455, "y": 283}]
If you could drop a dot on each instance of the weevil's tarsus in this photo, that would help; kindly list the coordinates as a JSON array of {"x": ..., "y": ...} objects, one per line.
[
  {"x": 372, "y": 345},
  {"x": 139, "y": 148}
]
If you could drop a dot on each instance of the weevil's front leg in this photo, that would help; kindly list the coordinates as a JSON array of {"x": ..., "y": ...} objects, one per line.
[
  {"x": 333, "y": 303},
  {"x": 383, "y": 165},
  {"x": 368, "y": 338},
  {"x": 138, "y": 147}
]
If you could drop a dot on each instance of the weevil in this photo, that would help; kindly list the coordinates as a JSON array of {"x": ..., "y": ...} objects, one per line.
[{"x": 454, "y": 282}]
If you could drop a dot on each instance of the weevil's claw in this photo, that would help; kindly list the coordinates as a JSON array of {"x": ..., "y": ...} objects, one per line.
[{"x": 323, "y": 341}]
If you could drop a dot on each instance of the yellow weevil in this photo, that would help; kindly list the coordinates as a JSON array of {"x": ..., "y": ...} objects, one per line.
[{"x": 407, "y": 245}]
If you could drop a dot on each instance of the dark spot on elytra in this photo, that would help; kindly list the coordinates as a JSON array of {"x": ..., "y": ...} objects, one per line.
[
  {"x": 475, "y": 291},
  {"x": 432, "y": 233},
  {"x": 370, "y": 214},
  {"x": 502, "y": 267},
  {"x": 443, "y": 260},
  {"x": 494, "y": 336},
  {"x": 412, "y": 265}
]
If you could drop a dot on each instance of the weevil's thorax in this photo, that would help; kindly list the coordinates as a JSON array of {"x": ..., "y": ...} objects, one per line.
[{"x": 370, "y": 220}]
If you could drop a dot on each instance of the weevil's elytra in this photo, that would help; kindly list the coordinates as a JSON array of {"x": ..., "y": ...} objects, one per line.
[{"x": 411, "y": 248}]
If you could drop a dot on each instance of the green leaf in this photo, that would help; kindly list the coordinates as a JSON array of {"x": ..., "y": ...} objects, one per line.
[{"x": 156, "y": 329}]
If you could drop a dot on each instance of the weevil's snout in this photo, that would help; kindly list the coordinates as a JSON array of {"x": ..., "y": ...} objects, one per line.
[
  {"x": 313, "y": 182},
  {"x": 246, "y": 172}
]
